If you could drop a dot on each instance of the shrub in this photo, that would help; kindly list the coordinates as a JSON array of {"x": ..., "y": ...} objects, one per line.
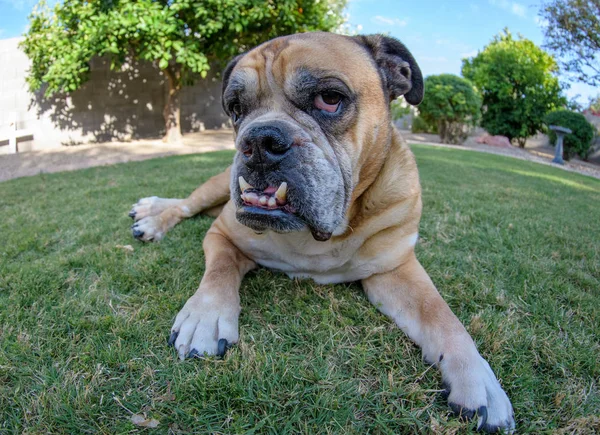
[
  {"x": 580, "y": 140},
  {"x": 419, "y": 125},
  {"x": 452, "y": 104}
]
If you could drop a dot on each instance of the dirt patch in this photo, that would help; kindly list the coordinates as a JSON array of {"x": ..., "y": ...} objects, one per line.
[{"x": 86, "y": 156}]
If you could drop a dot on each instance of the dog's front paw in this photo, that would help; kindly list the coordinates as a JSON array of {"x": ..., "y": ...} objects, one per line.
[
  {"x": 206, "y": 325},
  {"x": 151, "y": 206},
  {"x": 149, "y": 229},
  {"x": 474, "y": 392}
]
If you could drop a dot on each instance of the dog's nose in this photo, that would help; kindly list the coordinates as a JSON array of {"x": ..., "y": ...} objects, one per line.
[{"x": 266, "y": 144}]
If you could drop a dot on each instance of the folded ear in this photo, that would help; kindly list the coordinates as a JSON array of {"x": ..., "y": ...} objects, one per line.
[{"x": 399, "y": 71}]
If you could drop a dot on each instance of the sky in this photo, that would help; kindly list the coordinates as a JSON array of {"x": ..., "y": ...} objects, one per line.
[{"x": 439, "y": 33}]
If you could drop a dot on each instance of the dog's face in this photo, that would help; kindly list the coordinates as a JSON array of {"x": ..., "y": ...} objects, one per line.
[{"x": 311, "y": 115}]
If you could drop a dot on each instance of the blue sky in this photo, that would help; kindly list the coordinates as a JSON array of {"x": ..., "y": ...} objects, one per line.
[{"x": 438, "y": 32}]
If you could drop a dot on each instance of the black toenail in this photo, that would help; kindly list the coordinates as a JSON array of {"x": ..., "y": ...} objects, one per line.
[
  {"x": 193, "y": 353},
  {"x": 482, "y": 413},
  {"x": 172, "y": 338},
  {"x": 222, "y": 347}
]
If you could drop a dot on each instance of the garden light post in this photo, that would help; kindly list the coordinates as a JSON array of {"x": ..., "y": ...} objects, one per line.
[{"x": 560, "y": 133}]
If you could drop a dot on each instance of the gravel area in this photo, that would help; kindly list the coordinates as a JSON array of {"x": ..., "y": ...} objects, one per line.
[{"x": 85, "y": 156}]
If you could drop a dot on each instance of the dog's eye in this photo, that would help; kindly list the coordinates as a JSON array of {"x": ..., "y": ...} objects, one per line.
[
  {"x": 236, "y": 111},
  {"x": 329, "y": 101}
]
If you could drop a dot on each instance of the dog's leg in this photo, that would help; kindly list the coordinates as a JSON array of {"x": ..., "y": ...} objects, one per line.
[
  {"x": 408, "y": 296},
  {"x": 208, "y": 322},
  {"x": 155, "y": 216}
]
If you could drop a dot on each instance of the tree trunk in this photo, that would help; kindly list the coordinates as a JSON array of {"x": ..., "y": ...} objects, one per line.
[
  {"x": 443, "y": 131},
  {"x": 172, "y": 110}
]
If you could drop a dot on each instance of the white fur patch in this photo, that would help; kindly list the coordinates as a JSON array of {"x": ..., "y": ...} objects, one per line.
[
  {"x": 202, "y": 322},
  {"x": 473, "y": 384},
  {"x": 300, "y": 256}
]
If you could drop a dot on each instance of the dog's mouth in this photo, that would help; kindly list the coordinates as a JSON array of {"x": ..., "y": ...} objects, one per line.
[
  {"x": 272, "y": 198},
  {"x": 271, "y": 209}
]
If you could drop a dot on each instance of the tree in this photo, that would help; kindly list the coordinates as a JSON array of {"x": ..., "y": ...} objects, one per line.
[
  {"x": 451, "y": 103},
  {"x": 181, "y": 37},
  {"x": 572, "y": 32},
  {"x": 518, "y": 83}
]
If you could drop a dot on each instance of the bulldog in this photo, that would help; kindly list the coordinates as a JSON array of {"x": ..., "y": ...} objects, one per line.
[{"x": 322, "y": 186}]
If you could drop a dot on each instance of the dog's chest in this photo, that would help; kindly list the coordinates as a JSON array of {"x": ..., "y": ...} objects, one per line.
[{"x": 300, "y": 256}]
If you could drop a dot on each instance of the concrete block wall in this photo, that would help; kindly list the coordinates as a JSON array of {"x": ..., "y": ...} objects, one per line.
[{"x": 121, "y": 105}]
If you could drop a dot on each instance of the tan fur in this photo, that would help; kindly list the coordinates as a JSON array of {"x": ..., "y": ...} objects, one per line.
[{"x": 376, "y": 244}]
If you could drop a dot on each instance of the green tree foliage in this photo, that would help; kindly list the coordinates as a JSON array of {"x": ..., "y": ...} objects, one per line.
[
  {"x": 572, "y": 32},
  {"x": 181, "y": 37},
  {"x": 580, "y": 140},
  {"x": 518, "y": 83},
  {"x": 452, "y": 104}
]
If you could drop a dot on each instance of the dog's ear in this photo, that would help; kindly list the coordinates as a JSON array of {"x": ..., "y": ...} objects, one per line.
[
  {"x": 399, "y": 71},
  {"x": 226, "y": 74}
]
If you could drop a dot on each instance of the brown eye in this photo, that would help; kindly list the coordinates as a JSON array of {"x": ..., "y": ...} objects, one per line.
[
  {"x": 328, "y": 101},
  {"x": 331, "y": 98}
]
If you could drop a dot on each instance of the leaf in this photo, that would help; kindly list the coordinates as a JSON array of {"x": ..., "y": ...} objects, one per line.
[
  {"x": 140, "y": 420},
  {"x": 163, "y": 64}
]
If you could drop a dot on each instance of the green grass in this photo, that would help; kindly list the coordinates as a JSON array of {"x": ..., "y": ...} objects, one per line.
[{"x": 512, "y": 246}]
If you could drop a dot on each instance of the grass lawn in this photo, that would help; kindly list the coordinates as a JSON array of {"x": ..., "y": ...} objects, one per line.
[{"x": 513, "y": 247}]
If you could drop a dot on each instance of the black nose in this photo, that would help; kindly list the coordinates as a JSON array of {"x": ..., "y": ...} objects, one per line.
[{"x": 266, "y": 144}]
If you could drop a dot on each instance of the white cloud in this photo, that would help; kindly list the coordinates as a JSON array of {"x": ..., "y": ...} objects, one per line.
[
  {"x": 513, "y": 7},
  {"x": 518, "y": 10},
  {"x": 389, "y": 21},
  {"x": 471, "y": 53}
]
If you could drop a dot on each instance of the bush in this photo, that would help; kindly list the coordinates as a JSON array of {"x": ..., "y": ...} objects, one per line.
[
  {"x": 580, "y": 140},
  {"x": 452, "y": 104},
  {"x": 419, "y": 125}
]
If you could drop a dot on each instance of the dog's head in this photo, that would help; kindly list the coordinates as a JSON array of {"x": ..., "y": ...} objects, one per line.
[{"x": 311, "y": 116}]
